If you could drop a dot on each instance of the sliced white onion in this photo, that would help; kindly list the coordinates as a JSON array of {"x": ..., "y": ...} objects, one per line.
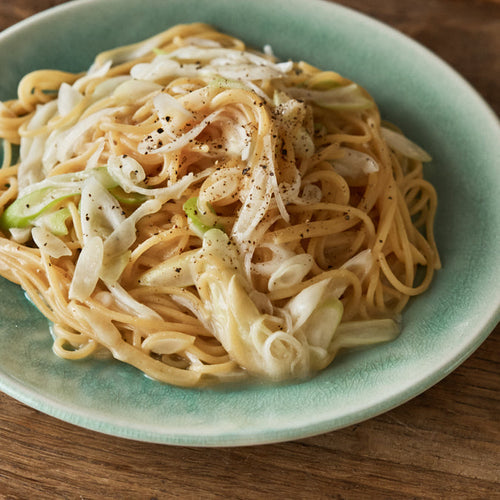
[
  {"x": 354, "y": 164},
  {"x": 20, "y": 235},
  {"x": 321, "y": 326},
  {"x": 165, "y": 104},
  {"x": 305, "y": 302},
  {"x": 49, "y": 243},
  {"x": 361, "y": 264},
  {"x": 87, "y": 269},
  {"x": 347, "y": 97},
  {"x": 107, "y": 87},
  {"x": 93, "y": 161},
  {"x": 125, "y": 232},
  {"x": 245, "y": 71},
  {"x": 67, "y": 98},
  {"x": 268, "y": 50},
  {"x": 167, "y": 342},
  {"x": 161, "y": 67},
  {"x": 405, "y": 146},
  {"x": 60, "y": 145},
  {"x": 311, "y": 194},
  {"x": 134, "y": 90},
  {"x": 176, "y": 271},
  {"x": 128, "y": 303},
  {"x": 255, "y": 206},
  {"x": 95, "y": 71},
  {"x": 113, "y": 266},
  {"x": 100, "y": 212},
  {"x": 290, "y": 272},
  {"x": 181, "y": 141},
  {"x": 303, "y": 144},
  {"x": 358, "y": 333},
  {"x": 32, "y": 148},
  {"x": 201, "y": 42},
  {"x": 132, "y": 170}
]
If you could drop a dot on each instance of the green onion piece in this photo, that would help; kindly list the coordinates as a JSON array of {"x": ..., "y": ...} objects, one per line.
[
  {"x": 127, "y": 198},
  {"x": 56, "y": 222},
  {"x": 26, "y": 209},
  {"x": 158, "y": 52},
  {"x": 221, "y": 82},
  {"x": 104, "y": 177},
  {"x": 325, "y": 85},
  {"x": 194, "y": 215}
]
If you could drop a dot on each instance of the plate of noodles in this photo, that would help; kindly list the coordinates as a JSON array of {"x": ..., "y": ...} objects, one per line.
[{"x": 237, "y": 223}]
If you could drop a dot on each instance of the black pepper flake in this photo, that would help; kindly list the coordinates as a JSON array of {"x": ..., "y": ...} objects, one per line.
[
  {"x": 178, "y": 269},
  {"x": 245, "y": 170},
  {"x": 159, "y": 130}
]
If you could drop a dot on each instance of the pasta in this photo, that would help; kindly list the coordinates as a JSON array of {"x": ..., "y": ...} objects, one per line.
[{"x": 204, "y": 212}]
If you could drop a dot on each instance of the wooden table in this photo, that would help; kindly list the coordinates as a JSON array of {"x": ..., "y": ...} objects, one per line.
[{"x": 442, "y": 444}]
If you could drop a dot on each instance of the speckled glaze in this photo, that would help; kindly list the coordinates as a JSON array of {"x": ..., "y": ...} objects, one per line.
[{"x": 416, "y": 90}]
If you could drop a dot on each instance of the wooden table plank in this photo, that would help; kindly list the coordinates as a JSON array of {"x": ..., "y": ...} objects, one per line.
[{"x": 444, "y": 443}]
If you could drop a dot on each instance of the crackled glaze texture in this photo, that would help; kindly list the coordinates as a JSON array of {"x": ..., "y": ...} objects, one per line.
[{"x": 430, "y": 102}]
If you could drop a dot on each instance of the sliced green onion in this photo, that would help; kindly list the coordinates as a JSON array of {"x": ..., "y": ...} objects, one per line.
[
  {"x": 325, "y": 85},
  {"x": 127, "y": 198},
  {"x": 26, "y": 209},
  {"x": 221, "y": 82},
  {"x": 198, "y": 219},
  {"x": 56, "y": 221},
  {"x": 159, "y": 52}
]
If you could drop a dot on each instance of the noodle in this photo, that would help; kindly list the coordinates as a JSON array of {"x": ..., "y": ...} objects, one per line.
[{"x": 204, "y": 212}]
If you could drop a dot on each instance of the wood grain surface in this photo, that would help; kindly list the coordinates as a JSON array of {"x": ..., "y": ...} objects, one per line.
[{"x": 444, "y": 443}]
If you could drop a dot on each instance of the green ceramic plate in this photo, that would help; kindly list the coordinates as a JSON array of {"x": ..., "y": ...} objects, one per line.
[{"x": 416, "y": 90}]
